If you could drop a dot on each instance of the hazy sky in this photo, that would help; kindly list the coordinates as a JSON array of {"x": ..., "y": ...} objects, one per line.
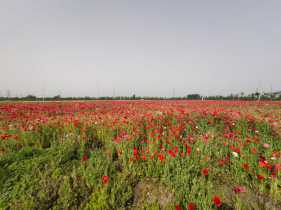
[{"x": 146, "y": 47}]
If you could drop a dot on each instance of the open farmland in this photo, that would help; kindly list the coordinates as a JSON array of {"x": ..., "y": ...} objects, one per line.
[{"x": 140, "y": 155}]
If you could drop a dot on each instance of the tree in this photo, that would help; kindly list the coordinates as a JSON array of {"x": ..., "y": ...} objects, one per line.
[
  {"x": 30, "y": 97},
  {"x": 57, "y": 97},
  {"x": 193, "y": 96}
]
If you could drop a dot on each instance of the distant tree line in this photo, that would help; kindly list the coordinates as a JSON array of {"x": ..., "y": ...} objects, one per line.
[
  {"x": 195, "y": 96},
  {"x": 241, "y": 96}
]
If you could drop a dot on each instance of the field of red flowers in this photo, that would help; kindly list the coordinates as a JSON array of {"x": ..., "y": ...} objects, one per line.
[{"x": 140, "y": 155}]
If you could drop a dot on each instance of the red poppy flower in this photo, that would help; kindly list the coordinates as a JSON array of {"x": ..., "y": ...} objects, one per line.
[
  {"x": 260, "y": 177},
  {"x": 182, "y": 154},
  {"x": 191, "y": 206},
  {"x": 135, "y": 151},
  {"x": 178, "y": 207},
  {"x": 239, "y": 189},
  {"x": 161, "y": 157},
  {"x": 105, "y": 179},
  {"x": 205, "y": 171},
  {"x": 217, "y": 201},
  {"x": 172, "y": 153},
  {"x": 221, "y": 162},
  {"x": 263, "y": 163},
  {"x": 254, "y": 151},
  {"x": 246, "y": 166},
  {"x": 188, "y": 149},
  {"x": 85, "y": 158}
]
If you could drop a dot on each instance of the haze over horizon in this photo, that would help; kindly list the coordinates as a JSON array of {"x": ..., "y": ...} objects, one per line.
[{"x": 147, "y": 48}]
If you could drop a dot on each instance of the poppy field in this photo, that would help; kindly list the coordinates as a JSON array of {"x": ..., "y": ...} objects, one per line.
[{"x": 140, "y": 154}]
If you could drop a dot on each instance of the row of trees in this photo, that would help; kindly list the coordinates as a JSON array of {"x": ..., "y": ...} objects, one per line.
[{"x": 241, "y": 96}]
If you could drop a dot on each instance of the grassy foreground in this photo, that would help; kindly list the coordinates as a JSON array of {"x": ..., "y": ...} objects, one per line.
[{"x": 140, "y": 155}]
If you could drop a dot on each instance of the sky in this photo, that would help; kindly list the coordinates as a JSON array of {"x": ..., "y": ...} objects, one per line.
[{"x": 142, "y": 47}]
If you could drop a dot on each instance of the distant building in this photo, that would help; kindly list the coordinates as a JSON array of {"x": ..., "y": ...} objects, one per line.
[
  {"x": 277, "y": 94},
  {"x": 273, "y": 94}
]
